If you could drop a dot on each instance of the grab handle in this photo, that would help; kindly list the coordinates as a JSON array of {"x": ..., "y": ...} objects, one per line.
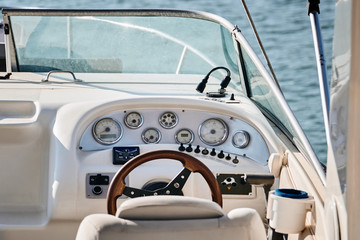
[{"x": 51, "y": 72}]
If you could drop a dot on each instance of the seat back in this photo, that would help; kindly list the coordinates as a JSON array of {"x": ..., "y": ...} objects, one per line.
[{"x": 179, "y": 223}]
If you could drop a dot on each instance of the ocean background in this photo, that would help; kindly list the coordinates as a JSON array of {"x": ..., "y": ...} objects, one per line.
[{"x": 284, "y": 28}]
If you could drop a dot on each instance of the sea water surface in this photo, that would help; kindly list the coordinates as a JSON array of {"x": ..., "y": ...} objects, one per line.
[{"x": 283, "y": 26}]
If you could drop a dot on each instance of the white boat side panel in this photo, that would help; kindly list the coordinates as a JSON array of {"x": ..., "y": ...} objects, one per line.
[{"x": 295, "y": 175}]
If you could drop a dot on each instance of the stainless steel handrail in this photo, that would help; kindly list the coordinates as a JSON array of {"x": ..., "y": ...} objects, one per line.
[{"x": 51, "y": 72}]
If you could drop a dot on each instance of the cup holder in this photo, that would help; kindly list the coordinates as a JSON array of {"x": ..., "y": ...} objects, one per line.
[
  {"x": 291, "y": 193},
  {"x": 287, "y": 210}
]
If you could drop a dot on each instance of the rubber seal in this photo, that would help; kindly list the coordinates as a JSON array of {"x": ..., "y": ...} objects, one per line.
[{"x": 291, "y": 193}]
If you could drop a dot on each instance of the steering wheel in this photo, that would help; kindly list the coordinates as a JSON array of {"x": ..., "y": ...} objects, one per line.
[{"x": 117, "y": 186}]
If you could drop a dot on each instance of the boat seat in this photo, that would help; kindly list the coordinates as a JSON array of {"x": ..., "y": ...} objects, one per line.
[{"x": 172, "y": 217}]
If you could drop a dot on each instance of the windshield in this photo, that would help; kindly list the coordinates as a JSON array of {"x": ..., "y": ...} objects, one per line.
[
  {"x": 122, "y": 44},
  {"x": 260, "y": 92}
]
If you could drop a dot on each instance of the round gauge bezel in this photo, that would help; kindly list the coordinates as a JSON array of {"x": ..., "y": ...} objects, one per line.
[
  {"x": 247, "y": 136},
  {"x": 191, "y": 133},
  {"x": 152, "y": 128},
  {"x": 167, "y": 126},
  {"x": 132, "y": 127},
  {"x": 101, "y": 141},
  {"x": 224, "y": 137}
]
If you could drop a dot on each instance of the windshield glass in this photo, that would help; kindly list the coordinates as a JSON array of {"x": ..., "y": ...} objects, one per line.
[
  {"x": 122, "y": 44},
  {"x": 261, "y": 93}
]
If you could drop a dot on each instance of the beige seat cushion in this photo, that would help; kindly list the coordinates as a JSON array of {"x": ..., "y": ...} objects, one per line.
[
  {"x": 168, "y": 208},
  {"x": 239, "y": 224}
]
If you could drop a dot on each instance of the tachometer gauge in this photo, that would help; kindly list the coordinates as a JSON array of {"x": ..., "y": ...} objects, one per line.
[
  {"x": 168, "y": 120},
  {"x": 133, "y": 120},
  {"x": 213, "y": 131},
  {"x": 241, "y": 139},
  {"x": 151, "y": 135},
  {"x": 107, "y": 131},
  {"x": 184, "y": 136}
]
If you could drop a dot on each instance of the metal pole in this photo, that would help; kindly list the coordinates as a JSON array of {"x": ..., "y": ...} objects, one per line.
[
  {"x": 260, "y": 43},
  {"x": 313, "y": 12}
]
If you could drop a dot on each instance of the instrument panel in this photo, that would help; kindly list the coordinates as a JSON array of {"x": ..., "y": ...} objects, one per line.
[{"x": 186, "y": 128}]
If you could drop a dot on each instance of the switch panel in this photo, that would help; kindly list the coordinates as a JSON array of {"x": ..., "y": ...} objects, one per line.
[
  {"x": 123, "y": 154},
  {"x": 97, "y": 184}
]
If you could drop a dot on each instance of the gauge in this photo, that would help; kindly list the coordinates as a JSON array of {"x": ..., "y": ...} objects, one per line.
[
  {"x": 134, "y": 120},
  {"x": 168, "y": 120},
  {"x": 184, "y": 136},
  {"x": 241, "y": 139},
  {"x": 213, "y": 131},
  {"x": 107, "y": 131},
  {"x": 151, "y": 135}
]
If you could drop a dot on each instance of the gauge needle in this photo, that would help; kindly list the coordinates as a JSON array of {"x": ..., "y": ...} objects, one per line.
[{"x": 106, "y": 130}]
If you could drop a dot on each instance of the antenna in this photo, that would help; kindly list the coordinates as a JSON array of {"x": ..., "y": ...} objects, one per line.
[{"x": 260, "y": 43}]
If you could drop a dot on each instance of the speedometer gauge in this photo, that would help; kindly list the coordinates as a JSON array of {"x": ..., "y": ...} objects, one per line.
[
  {"x": 133, "y": 120},
  {"x": 213, "y": 131},
  {"x": 107, "y": 131}
]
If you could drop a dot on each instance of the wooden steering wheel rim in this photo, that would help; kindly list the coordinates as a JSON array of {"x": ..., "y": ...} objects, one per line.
[{"x": 117, "y": 185}]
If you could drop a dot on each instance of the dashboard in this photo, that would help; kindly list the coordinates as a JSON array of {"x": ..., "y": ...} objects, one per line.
[
  {"x": 69, "y": 144},
  {"x": 204, "y": 133},
  {"x": 231, "y": 148}
]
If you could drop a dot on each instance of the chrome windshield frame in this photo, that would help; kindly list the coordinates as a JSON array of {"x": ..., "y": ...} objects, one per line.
[{"x": 11, "y": 59}]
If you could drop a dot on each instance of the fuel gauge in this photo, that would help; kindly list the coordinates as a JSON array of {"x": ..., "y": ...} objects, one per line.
[
  {"x": 134, "y": 120},
  {"x": 151, "y": 135}
]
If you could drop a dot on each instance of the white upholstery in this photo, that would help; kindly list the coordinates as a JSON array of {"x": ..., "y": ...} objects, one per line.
[
  {"x": 242, "y": 223},
  {"x": 168, "y": 208}
]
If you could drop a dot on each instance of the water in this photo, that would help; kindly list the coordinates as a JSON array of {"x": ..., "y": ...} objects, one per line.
[{"x": 284, "y": 28}]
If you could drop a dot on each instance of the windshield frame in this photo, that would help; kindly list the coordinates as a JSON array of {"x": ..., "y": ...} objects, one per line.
[
  {"x": 11, "y": 56},
  {"x": 299, "y": 140}
]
